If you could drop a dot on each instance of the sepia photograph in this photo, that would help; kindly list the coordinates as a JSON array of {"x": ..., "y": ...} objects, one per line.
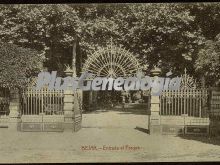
[{"x": 109, "y": 82}]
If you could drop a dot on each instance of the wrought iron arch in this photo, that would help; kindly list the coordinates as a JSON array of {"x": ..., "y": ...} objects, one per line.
[{"x": 112, "y": 61}]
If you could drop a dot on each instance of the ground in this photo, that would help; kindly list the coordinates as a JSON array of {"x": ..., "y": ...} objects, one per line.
[{"x": 106, "y": 136}]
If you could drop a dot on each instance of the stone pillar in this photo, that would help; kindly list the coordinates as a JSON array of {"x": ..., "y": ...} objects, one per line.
[
  {"x": 155, "y": 125},
  {"x": 68, "y": 105},
  {"x": 14, "y": 107},
  {"x": 214, "y": 102},
  {"x": 77, "y": 110},
  {"x": 72, "y": 113}
]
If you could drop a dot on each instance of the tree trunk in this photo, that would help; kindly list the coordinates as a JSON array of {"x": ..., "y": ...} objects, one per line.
[{"x": 74, "y": 57}]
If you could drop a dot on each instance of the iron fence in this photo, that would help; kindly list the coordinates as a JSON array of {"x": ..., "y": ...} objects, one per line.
[
  {"x": 44, "y": 101},
  {"x": 191, "y": 102}
]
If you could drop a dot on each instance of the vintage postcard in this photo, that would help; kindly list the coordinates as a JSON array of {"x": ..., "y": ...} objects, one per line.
[{"x": 109, "y": 82}]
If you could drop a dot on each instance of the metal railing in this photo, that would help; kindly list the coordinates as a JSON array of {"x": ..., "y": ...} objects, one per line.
[
  {"x": 190, "y": 102},
  {"x": 44, "y": 101}
]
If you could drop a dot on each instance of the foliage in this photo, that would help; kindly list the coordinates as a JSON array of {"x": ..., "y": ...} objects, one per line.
[
  {"x": 17, "y": 64},
  {"x": 163, "y": 32},
  {"x": 208, "y": 62},
  {"x": 170, "y": 33},
  {"x": 46, "y": 28}
]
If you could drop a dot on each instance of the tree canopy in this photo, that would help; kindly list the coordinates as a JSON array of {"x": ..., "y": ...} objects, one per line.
[
  {"x": 17, "y": 64},
  {"x": 174, "y": 34},
  {"x": 208, "y": 62}
]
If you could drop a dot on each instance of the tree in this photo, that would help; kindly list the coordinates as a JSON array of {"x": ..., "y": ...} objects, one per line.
[
  {"x": 170, "y": 33},
  {"x": 207, "y": 18},
  {"x": 49, "y": 29},
  {"x": 17, "y": 64},
  {"x": 153, "y": 32},
  {"x": 208, "y": 62}
]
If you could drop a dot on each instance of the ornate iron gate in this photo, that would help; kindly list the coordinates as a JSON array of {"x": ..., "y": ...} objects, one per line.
[
  {"x": 190, "y": 102},
  {"x": 42, "y": 110},
  {"x": 185, "y": 111}
]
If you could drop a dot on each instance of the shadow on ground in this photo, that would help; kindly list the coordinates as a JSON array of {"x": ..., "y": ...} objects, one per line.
[
  {"x": 133, "y": 108},
  {"x": 135, "y": 111},
  {"x": 138, "y": 110},
  {"x": 215, "y": 140},
  {"x": 144, "y": 130},
  {"x": 95, "y": 111}
]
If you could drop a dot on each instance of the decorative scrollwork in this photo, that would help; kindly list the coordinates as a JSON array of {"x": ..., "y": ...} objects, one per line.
[
  {"x": 112, "y": 62},
  {"x": 188, "y": 82}
]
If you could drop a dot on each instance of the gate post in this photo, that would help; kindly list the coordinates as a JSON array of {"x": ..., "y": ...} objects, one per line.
[
  {"x": 214, "y": 104},
  {"x": 72, "y": 106},
  {"x": 68, "y": 105},
  {"x": 68, "y": 110},
  {"x": 154, "y": 123},
  {"x": 155, "y": 127},
  {"x": 77, "y": 110},
  {"x": 14, "y": 108},
  {"x": 72, "y": 112}
]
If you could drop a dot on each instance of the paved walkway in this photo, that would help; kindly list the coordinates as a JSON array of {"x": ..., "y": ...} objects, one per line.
[{"x": 109, "y": 136}]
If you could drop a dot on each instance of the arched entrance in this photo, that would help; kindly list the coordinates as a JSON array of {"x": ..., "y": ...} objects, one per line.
[
  {"x": 114, "y": 108},
  {"x": 112, "y": 61}
]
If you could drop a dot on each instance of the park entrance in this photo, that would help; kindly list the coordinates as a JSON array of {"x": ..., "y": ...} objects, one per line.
[
  {"x": 185, "y": 111},
  {"x": 123, "y": 108},
  {"x": 112, "y": 62}
]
